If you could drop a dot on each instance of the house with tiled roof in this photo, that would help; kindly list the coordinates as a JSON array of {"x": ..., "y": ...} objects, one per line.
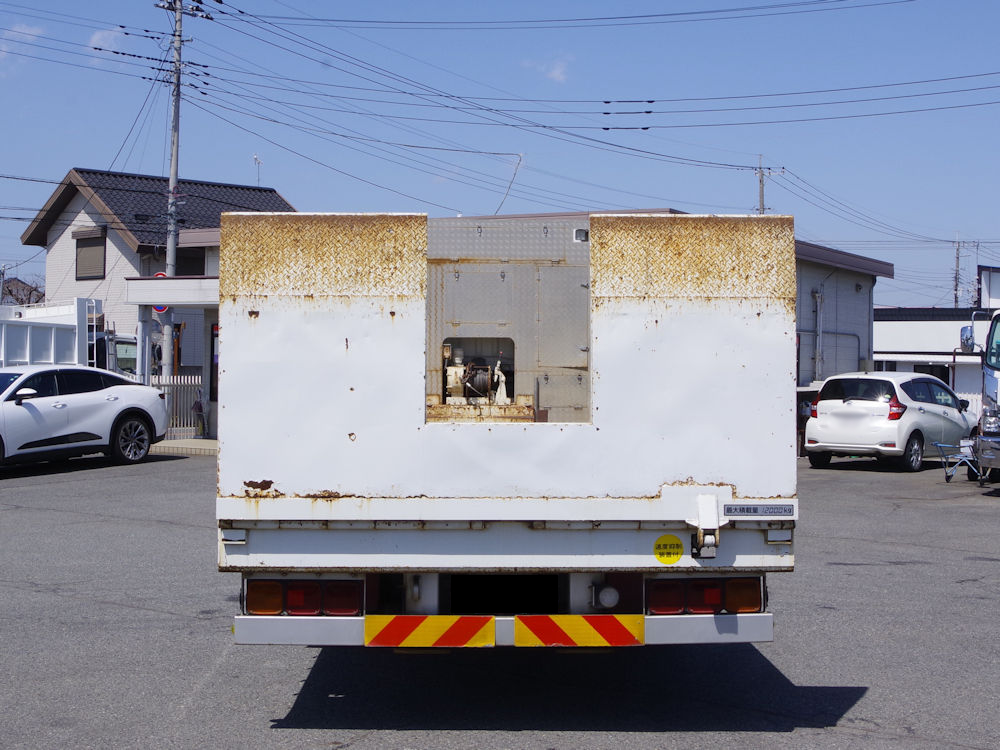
[{"x": 105, "y": 237}]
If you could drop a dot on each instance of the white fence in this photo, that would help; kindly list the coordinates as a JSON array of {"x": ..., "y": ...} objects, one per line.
[{"x": 186, "y": 400}]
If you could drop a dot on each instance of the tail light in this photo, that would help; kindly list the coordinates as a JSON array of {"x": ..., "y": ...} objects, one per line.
[
  {"x": 705, "y": 597},
  {"x": 710, "y": 596},
  {"x": 264, "y": 598},
  {"x": 812, "y": 409},
  {"x": 665, "y": 597},
  {"x": 896, "y": 409},
  {"x": 303, "y": 597},
  {"x": 342, "y": 598},
  {"x": 743, "y": 595}
]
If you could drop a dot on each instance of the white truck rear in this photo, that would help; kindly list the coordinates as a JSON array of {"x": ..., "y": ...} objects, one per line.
[
  {"x": 62, "y": 334},
  {"x": 553, "y": 430}
]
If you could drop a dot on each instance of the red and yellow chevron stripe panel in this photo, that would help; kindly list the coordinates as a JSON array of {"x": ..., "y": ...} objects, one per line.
[
  {"x": 579, "y": 630},
  {"x": 430, "y": 631}
]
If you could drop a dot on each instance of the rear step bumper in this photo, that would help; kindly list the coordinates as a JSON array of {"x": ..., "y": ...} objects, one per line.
[{"x": 537, "y": 630}]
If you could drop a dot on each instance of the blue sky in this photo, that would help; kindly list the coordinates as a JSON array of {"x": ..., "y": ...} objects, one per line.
[{"x": 475, "y": 108}]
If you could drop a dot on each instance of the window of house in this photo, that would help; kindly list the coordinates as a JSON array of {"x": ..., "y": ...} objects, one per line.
[
  {"x": 90, "y": 245},
  {"x": 190, "y": 261}
]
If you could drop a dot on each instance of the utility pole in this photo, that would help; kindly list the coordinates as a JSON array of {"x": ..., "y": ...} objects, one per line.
[
  {"x": 178, "y": 9},
  {"x": 175, "y": 133},
  {"x": 761, "y": 173},
  {"x": 760, "y": 176},
  {"x": 958, "y": 249}
]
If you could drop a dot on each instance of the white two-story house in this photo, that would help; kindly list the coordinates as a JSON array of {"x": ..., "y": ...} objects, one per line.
[{"x": 105, "y": 236}]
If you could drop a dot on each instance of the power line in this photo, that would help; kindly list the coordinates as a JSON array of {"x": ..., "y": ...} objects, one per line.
[
  {"x": 321, "y": 163},
  {"x": 759, "y": 11},
  {"x": 487, "y": 114}
]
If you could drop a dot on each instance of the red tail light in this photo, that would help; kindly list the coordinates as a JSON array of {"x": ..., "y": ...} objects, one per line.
[
  {"x": 812, "y": 409},
  {"x": 665, "y": 597},
  {"x": 302, "y": 598},
  {"x": 705, "y": 597},
  {"x": 896, "y": 409},
  {"x": 342, "y": 598}
]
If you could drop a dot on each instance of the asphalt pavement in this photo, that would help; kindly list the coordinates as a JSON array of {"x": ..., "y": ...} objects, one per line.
[{"x": 115, "y": 626}]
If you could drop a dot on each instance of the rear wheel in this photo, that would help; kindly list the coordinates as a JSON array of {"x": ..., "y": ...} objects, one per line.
[
  {"x": 131, "y": 439},
  {"x": 819, "y": 460},
  {"x": 913, "y": 455}
]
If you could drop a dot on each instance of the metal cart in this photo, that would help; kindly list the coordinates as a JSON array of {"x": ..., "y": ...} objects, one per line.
[{"x": 955, "y": 456}]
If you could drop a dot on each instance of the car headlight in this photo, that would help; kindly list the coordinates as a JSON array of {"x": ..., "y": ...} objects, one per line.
[{"x": 989, "y": 423}]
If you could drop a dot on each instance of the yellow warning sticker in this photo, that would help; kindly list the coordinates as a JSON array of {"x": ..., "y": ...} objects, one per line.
[{"x": 668, "y": 549}]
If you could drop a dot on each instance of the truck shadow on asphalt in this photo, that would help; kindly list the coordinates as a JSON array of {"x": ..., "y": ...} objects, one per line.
[{"x": 652, "y": 689}]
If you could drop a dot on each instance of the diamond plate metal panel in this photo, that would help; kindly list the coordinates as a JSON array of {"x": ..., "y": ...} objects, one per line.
[
  {"x": 566, "y": 396},
  {"x": 323, "y": 255},
  {"x": 507, "y": 239},
  {"x": 649, "y": 256},
  {"x": 480, "y": 295},
  {"x": 563, "y": 316}
]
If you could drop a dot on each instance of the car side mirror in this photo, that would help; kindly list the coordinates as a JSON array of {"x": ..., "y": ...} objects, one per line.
[
  {"x": 963, "y": 404},
  {"x": 24, "y": 393}
]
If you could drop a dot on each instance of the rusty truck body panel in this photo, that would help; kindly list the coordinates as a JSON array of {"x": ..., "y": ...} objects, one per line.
[{"x": 509, "y": 418}]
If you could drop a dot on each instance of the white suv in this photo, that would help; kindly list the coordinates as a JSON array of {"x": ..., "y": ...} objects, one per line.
[
  {"x": 884, "y": 414},
  {"x": 57, "y": 411}
]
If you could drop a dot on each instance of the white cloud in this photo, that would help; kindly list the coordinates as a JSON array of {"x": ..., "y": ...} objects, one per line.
[
  {"x": 555, "y": 70},
  {"x": 19, "y": 33},
  {"x": 105, "y": 39}
]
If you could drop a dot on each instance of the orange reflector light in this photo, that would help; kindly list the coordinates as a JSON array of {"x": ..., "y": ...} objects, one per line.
[
  {"x": 743, "y": 595},
  {"x": 302, "y": 598},
  {"x": 665, "y": 597},
  {"x": 264, "y": 598},
  {"x": 704, "y": 597},
  {"x": 342, "y": 598}
]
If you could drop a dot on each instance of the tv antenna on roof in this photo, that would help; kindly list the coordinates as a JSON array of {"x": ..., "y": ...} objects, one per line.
[{"x": 258, "y": 162}]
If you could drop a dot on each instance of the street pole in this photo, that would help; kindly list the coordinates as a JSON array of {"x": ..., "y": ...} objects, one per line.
[
  {"x": 760, "y": 175},
  {"x": 958, "y": 249},
  {"x": 175, "y": 127}
]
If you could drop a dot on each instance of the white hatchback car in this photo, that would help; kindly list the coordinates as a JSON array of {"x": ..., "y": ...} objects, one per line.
[
  {"x": 884, "y": 414},
  {"x": 58, "y": 411}
]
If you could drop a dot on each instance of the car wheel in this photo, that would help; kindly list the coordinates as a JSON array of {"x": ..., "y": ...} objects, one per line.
[
  {"x": 130, "y": 439},
  {"x": 819, "y": 460},
  {"x": 913, "y": 455}
]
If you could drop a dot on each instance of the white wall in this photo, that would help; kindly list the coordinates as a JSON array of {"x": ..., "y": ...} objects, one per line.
[
  {"x": 846, "y": 319},
  {"x": 923, "y": 336},
  {"x": 909, "y": 343},
  {"x": 120, "y": 261}
]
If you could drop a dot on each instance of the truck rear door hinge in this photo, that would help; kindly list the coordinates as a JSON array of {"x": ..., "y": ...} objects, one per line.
[{"x": 705, "y": 541}]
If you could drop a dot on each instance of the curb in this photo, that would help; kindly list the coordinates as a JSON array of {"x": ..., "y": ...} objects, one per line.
[{"x": 185, "y": 448}]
